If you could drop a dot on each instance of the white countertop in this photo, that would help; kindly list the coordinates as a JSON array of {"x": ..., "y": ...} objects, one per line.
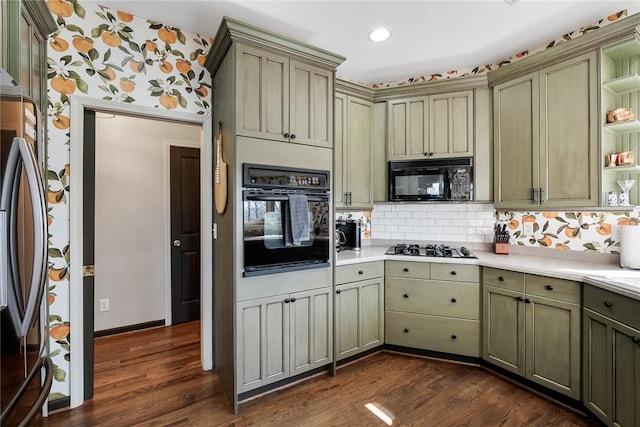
[{"x": 607, "y": 276}]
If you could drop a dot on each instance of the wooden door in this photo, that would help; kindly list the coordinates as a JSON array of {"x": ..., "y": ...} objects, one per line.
[
  {"x": 596, "y": 353},
  {"x": 503, "y": 329},
  {"x": 311, "y": 95},
  {"x": 408, "y": 128},
  {"x": 515, "y": 138},
  {"x": 358, "y": 153},
  {"x": 553, "y": 344},
  {"x": 185, "y": 233},
  {"x": 371, "y": 302},
  {"x": 347, "y": 319},
  {"x": 569, "y": 166},
  {"x": 340, "y": 174},
  {"x": 262, "y": 94},
  {"x": 451, "y": 124},
  {"x": 262, "y": 341},
  {"x": 311, "y": 329},
  {"x": 625, "y": 410}
]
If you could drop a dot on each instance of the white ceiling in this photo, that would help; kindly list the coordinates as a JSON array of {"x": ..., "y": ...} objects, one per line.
[{"x": 428, "y": 36}]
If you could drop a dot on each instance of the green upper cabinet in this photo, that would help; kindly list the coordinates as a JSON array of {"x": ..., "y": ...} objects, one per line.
[
  {"x": 546, "y": 137},
  {"x": 283, "y": 99},
  {"x": 433, "y": 126},
  {"x": 352, "y": 150}
]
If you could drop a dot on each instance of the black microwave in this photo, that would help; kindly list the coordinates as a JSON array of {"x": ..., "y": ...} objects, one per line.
[{"x": 431, "y": 180}]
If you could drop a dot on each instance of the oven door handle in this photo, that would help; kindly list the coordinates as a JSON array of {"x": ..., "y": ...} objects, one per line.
[{"x": 282, "y": 198}]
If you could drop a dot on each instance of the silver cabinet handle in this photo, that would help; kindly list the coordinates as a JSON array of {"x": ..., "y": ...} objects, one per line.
[{"x": 177, "y": 243}]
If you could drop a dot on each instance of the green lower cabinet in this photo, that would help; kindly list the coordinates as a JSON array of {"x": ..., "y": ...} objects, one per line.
[
  {"x": 533, "y": 336},
  {"x": 282, "y": 336},
  {"x": 611, "y": 364}
]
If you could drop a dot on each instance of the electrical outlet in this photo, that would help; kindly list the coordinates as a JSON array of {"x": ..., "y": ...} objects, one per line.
[
  {"x": 527, "y": 228},
  {"x": 104, "y": 304}
]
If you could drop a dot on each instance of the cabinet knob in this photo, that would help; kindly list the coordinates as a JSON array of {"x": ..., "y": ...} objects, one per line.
[
  {"x": 431, "y": 154},
  {"x": 406, "y": 295},
  {"x": 453, "y": 273},
  {"x": 549, "y": 287},
  {"x": 286, "y": 300},
  {"x": 361, "y": 272},
  {"x": 406, "y": 330},
  {"x": 636, "y": 340},
  {"x": 406, "y": 270},
  {"x": 500, "y": 279},
  {"x": 426, "y": 154},
  {"x": 454, "y": 300},
  {"x": 293, "y": 300},
  {"x": 293, "y": 136},
  {"x": 453, "y": 337},
  {"x": 608, "y": 303},
  {"x": 286, "y": 135},
  {"x": 527, "y": 301},
  {"x": 338, "y": 291},
  {"x": 520, "y": 299}
]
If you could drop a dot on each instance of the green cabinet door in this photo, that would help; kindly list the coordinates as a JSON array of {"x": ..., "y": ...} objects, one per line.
[
  {"x": 347, "y": 320},
  {"x": 311, "y": 329},
  {"x": 596, "y": 383},
  {"x": 340, "y": 178},
  {"x": 371, "y": 313},
  {"x": 625, "y": 411},
  {"x": 568, "y": 153},
  {"x": 408, "y": 128},
  {"x": 263, "y": 341},
  {"x": 451, "y": 124},
  {"x": 311, "y": 105},
  {"x": 553, "y": 344},
  {"x": 515, "y": 115},
  {"x": 262, "y": 94},
  {"x": 503, "y": 330}
]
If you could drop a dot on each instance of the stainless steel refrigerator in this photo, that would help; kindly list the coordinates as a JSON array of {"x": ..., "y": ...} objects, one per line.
[{"x": 26, "y": 370}]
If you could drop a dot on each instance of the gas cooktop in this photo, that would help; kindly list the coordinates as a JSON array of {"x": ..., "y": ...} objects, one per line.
[{"x": 430, "y": 250}]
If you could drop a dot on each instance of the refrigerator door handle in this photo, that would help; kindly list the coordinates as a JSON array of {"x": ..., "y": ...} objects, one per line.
[
  {"x": 22, "y": 156},
  {"x": 4, "y": 265}
]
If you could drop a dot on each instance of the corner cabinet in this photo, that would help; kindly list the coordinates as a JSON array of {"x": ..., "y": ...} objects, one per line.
[
  {"x": 352, "y": 149},
  {"x": 532, "y": 328},
  {"x": 433, "y": 126},
  {"x": 546, "y": 137},
  {"x": 283, "y": 335},
  {"x": 611, "y": 357},
  {"x": 283, "y": 99},
  {"x": 359, "y": 308}
]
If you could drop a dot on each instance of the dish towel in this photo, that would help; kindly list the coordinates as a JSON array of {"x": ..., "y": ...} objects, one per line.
[{"x": 299, "y": 215}]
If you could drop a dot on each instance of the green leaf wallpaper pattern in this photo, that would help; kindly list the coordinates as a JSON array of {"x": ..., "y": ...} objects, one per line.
[{"x": 111, "y": 55}]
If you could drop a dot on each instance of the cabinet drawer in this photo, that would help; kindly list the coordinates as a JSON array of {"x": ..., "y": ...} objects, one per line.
[
  {"x": 503, "y": 279},
  {"x": 455, "y": 272},
  {"x": 443, "y": 334},
  {"x": 563, "y": 290},
  {"x": 414, "y": 269},
  {"x": 355, "y": 272},
  {"x": 618, "y": 307},
  {"x": 452, "y": 299}
]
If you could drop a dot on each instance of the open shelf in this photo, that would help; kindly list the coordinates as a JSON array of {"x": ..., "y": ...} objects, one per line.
[
  {"x": 623, "y": 127},
  {"x": 623, "y": 50},
  {"x": 623, "y": 84},
  {"x": 623, "y": 169}
]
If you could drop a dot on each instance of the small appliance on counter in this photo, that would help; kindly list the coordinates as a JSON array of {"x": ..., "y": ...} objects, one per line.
[
  {"x": 630, "y": 246},
  {"x": 351, "y": 229}
]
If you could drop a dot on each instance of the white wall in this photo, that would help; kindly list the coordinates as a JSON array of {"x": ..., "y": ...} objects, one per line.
[
  {"x": 444, "y": 222},
  {"x": 132, "y": 234}
]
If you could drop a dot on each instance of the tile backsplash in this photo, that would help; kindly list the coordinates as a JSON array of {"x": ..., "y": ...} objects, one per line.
[{"x": 447, "y": 222}]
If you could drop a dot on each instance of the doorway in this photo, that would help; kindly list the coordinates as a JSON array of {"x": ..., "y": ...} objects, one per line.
[{"x": 83, "y": 337}]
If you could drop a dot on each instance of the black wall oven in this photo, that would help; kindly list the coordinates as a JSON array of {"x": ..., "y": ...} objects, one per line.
[{"x": 286, "y": 219}]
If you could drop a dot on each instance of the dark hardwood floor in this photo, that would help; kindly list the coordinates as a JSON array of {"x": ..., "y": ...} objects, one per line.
[{"x": 153, "y": 377}]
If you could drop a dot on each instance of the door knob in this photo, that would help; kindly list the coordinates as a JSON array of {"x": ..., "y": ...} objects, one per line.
[{"x": 177, "y": 243}]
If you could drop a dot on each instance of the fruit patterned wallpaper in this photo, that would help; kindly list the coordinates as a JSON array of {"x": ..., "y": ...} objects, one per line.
[
  {"x": 480, "y": 69},
  {"x": 111, "y": 55},
  {"x": 578, "y": 231}
]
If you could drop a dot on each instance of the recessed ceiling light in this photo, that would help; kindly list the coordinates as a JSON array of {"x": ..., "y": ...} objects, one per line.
[{"x": 379, "y": 35}]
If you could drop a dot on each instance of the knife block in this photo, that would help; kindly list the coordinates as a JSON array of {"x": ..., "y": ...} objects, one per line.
[{"x": 501, "y": 248}]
